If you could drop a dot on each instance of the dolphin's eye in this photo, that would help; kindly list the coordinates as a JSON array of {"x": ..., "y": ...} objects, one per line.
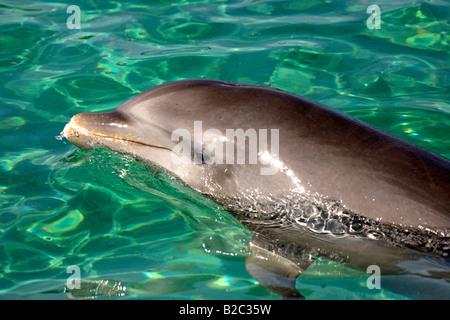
[
  {"x": 200, "y": 157},
  {"x": 203, "y": 159}
]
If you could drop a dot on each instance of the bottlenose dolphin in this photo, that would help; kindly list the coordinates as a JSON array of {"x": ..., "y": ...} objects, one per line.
[{"x": 333, "y": 185}]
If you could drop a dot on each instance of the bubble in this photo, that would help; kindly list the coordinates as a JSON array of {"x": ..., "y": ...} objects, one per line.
[
  {"x": 374, "y": 234},
  {"x": 316, "y": 223},
  {"x": 335, "y": 227}
]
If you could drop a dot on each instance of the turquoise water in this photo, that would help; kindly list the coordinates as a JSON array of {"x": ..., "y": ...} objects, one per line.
[{"x": 130, "y": 229}]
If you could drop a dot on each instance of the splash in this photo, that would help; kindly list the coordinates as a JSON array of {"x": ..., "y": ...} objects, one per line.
[{"x": 328, "y": 217}]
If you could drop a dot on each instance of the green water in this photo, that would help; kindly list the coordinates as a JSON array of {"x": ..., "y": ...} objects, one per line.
[{"x": 132, "y": 231}]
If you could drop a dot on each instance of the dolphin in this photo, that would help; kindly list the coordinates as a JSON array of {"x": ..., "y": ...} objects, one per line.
[{"x": 308, "y": 180}]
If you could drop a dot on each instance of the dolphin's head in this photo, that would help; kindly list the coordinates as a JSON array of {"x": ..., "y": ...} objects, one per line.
[
  {"x": 145, "y": 128},
  {"x": 141, "y": 126},
  {"x": 122, "y": 132},
  {"x": 160, "y": 126},
  {"x": 145, "y": 121}
]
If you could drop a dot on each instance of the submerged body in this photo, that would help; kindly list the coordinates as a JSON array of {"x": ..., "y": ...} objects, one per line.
[{"x": 324, "y": 161}]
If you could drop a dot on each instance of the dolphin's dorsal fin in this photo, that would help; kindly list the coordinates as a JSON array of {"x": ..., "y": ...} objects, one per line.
[{"x": 273, "y": 270}]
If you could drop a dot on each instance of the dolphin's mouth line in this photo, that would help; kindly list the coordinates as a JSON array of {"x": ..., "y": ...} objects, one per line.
[{"x": 73, "y": 129}]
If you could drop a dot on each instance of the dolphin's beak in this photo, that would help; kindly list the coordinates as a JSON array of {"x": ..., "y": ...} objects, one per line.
[
  {"x": 88, "y": 130},
  {"x": 85, "y": 128}
]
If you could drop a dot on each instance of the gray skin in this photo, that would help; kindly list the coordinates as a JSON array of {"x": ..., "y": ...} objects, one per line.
[{"x": 324, "y": 155}]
